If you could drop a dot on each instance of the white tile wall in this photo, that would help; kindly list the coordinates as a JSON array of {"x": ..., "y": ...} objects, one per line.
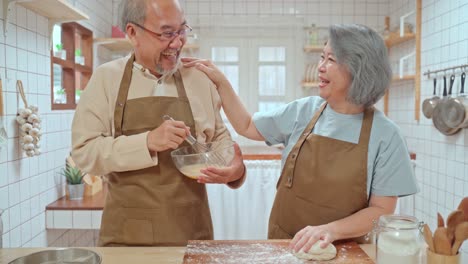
[
  {"x": 28, "y": 185},
  {"x": 442, "y": 162}
]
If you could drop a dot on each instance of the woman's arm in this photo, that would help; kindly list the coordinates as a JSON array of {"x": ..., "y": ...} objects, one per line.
[
  {"x": 354, "y": 225},
  {"x": 235, "y": 111}
]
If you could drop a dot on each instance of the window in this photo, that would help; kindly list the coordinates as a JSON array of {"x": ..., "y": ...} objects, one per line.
[
  {"x": 271, "y": 77},
  {"x": 71, "y": 64},
  {"x": 257, "y": 72}
]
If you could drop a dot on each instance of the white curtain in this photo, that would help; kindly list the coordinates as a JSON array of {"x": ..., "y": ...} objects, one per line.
[{"x": 243, "y": 213}]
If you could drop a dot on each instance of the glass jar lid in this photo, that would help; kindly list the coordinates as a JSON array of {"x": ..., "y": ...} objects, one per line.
[{"x": 398, "y": 222}]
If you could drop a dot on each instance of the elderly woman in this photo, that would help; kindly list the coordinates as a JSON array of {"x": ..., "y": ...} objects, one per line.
[{"x": 344, "y": 163}]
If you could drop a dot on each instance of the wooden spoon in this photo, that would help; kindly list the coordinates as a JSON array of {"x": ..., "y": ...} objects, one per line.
[
  {"x": 464, "y": 207},
  {"x": 441, "y": 243},
  {"x": 440, "y": 220},
  {"x": 428, "y": 237},
  {"x": 461, "y": 234},
  {"x": 453, "y": 219}
]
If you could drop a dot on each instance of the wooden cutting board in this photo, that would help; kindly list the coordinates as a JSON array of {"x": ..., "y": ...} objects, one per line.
[{"x": 263, "y": 251}]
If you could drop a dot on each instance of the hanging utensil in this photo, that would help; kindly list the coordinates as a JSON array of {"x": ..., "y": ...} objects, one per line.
[
  {"x": 3, "y": 133},
  {"x": 455, "y": 113},
  {"x": 429, "y": 104},
  {"x": 437, "y": 117}
]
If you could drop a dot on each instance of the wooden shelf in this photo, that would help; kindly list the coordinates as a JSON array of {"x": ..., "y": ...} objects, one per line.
[
  {"x": 66, "y": 64},
  {"x": 395, "y": 39},
  {"x": 58, "y": 10},
  {"x": 309, "y": 48},
  {"x": 83, "y": 68},
  {"x": 114, "y": 44},
  {"x": 310, "y": 84},
  {"x": 124, "y": 45},
  {"x": 404, "y": 78}
]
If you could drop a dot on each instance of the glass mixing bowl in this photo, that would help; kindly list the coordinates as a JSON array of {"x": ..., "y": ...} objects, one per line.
[{"x": 190, "y": 160}]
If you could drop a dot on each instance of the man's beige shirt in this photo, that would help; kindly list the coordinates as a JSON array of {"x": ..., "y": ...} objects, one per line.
[{"x": 94, "y": 148}]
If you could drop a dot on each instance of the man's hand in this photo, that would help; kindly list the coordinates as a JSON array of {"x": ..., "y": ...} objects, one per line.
[
  {"x": 169, "y": 135},
  {"x": 224, "y": 175}
]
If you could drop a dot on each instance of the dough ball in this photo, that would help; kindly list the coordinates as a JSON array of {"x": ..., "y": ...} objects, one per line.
[{"x": 317, "y": 253}]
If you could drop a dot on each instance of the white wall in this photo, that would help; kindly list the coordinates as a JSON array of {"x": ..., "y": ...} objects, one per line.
[
  {"x": 442, "y": 169},
  {"x": 28, "y": 185}
]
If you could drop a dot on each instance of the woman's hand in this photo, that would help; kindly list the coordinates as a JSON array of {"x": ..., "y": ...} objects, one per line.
[
  {"x": 307, "y": 236},
  {"x": 225, "y": 175},
  {"x": 206, "y": 66}
]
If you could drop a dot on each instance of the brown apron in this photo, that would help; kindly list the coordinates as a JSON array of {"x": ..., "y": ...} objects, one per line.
[
  {"x": 158, "y": 205},
  {"x": 323, "y": 180}
]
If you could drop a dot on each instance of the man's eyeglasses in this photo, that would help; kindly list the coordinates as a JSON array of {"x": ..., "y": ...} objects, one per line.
[{"x": 168, "y": 35}]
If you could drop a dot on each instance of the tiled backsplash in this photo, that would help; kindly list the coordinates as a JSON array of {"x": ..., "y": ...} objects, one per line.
[
  {"x": 27, "y": 185},
  {"x": 442, "y": 161}
]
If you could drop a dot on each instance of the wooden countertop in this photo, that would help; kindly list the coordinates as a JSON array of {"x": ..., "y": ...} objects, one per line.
[
  {"x": 261, "y": 153},
  {"x": 95, "y": 202},
  {"x": 125, "y": 255}
]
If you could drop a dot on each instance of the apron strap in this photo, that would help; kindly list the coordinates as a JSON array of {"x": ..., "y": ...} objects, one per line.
[
  {"x": 291, "y": 159},
  {"x": 180, "y": 85},
  {"x": 122, "y": 96},
  {"x": 366, "y": 125}
]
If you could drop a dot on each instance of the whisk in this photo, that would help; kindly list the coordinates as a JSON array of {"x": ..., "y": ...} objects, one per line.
[{"x": 212, "y": 158}]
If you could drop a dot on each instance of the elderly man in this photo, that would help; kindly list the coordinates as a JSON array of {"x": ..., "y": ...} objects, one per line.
[{"x": 118, "y": 131}]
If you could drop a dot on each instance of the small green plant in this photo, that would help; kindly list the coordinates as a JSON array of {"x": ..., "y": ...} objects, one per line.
[
  {"x": 59, "y": 46},
  {"x": 78, "y": 92},
  {"x": 73, "y": 175},
  {"x": 78, "y": 52},
  {"x": 60, "y": 92}
]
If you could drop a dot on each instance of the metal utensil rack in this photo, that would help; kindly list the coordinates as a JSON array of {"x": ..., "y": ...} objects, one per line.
[{"x": 429, "y": 72}]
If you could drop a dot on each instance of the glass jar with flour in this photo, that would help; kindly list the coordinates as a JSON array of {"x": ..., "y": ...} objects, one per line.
[{"x": 398, "y": 239}]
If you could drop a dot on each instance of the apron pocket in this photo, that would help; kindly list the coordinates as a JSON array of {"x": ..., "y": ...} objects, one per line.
[
  {"x": 138, "y": 232},
  {"x": 185, "y": 222}
]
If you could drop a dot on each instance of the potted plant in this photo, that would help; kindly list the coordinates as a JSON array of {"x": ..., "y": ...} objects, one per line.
[
  {"x": 60, "y": 96},
  {"x": 75, "y": 184},
  {"x": 60, "y": 52},
  {"x": 79, "y": 59}
]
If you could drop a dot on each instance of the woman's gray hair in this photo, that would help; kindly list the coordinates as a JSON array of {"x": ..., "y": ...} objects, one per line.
[
  {"x": 364, "y": 53},
  {"x": 132, "y": 11}
]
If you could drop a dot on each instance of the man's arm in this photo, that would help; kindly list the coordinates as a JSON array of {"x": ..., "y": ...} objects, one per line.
[{"x": 94, "y": 148}]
